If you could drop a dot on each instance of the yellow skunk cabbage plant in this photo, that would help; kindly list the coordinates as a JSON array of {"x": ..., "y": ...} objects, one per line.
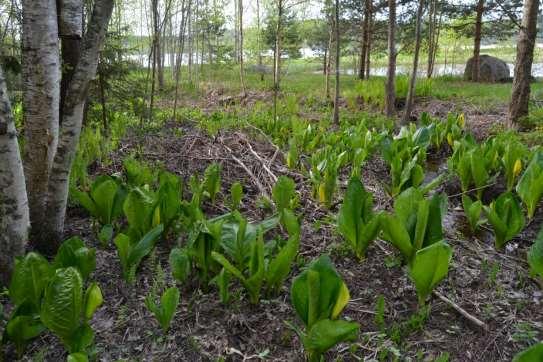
[
  {"x": 262, "y": 268},
  {"x": 415, "y": 230},
  {"x": 506, "y": 217},
  {"x": 104, "y": 202},
  {"x": 319, "y": 295},
  {"x": 356, "y": 221},
  {"x": 530, "y": 185}
]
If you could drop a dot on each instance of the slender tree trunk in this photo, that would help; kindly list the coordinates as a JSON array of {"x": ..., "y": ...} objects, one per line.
[
  {"x": 72, "y": 118},
  {"x": 14, "y": 212},
  {"x": 259, "y": 40},
  {"x": 328, "y": 67},
  {"x": 335, "y": 118},
  {"x": 185, "y": 13},
  {"x": 369, "y": 44},
  {"x": 41, "y": 100},
  {"x": 520, "y": 94},
  {"x": 412, "y": 81},
  {"x": 277, "y": 63},
  {"x": 431, "y": 32},
  {"x": 241, "y": 66},
  {"x": 390, "y": 92},
  {"x": 365, "y": 36},
  {"x": 477, "y": 40}
]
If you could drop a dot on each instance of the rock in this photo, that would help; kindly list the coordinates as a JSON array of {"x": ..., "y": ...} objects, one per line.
[{"x": 492, "y": 70}]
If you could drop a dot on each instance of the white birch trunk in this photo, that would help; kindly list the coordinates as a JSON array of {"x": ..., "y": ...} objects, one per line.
[
  {"x": 72, "y": 118},
  {"x": 41, "y": 81},
  {"x": 14, "y": 217}
]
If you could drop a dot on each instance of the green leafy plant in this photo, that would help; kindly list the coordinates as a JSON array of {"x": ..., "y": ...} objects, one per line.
[
  {"x": 356, "y": 221},
  {"x": 236, "y": 195},
  {"x": 506, "y": 217},
  {"x": 212, "y": 180},
  {"x": 204, "y": 238},
  {"x": 138, "y": 173},
  {"x": 530, "y": 185},
  {"x": 66, "y": 309},
  {"x": 165, "y": 310},
  {"x": 415, "y": 229},
  {"x": 514, "y": 153},
  {"x": 473, "y": 211},
  {"x": 73, "y": 252},
  {"x": 180, "y": 264},
  {"x": 319, "y": 295},
  {"x": 262, "y": 269},
  {"x": 532, "y": 354},
  {"x": 284, "y": 194},
  {"x": 325, "y": 166},
  {"x": 535, "y": 256},
  {"x": 104, "y": 202},
  {"x": 131, "y": 252}
]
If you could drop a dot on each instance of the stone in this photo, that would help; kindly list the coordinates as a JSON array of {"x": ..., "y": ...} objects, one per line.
[{"x": 492, "y": 69}]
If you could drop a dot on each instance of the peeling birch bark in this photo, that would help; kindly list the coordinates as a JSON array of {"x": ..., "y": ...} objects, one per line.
[{"x": 14, "y": 217}]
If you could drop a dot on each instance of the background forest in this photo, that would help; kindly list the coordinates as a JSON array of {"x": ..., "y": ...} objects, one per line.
[{"x": 234, "y": 180}]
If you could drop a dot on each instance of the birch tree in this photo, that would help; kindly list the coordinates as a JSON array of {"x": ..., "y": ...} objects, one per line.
[{"x": 52, "y": 132}]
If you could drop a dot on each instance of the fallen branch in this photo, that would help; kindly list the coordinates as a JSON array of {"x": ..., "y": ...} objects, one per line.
[
  {"x": 474, "y": 320},
  {"x": 266, "y": 168}
]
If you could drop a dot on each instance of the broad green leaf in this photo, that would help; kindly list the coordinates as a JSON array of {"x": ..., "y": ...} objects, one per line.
[
  {"x": 168, "y": 302},
  {"x": 283, "y": 193},
  {"x": 532, "y": 354},
  {"x": 316, "y": 291},
  {"x": 530, "y": 185},
  {"x": 77, "y": 357},
  {"x": 122, "y": 242},
  {"x": 139, "y": 209},
  {"x": 397, "y": 235},
  {"x": 73, "y": 252},
  {"x": 535, "y": 256},
  {"x": 472, "y": 211},
  {"x": 62, "y": 306},
  {"x": 342, "y": 299},
  {"x": 93, "y": 300},
  {"x": 434, "y": 229},
  {"x": 180, "y": 264},
  {"x": 429, "y": 266},
  {"x": 236, "y": 195},
  {"x": 506, "y": 218},
  {"x": 326, "y": 333},
  {"x": 106, "y": 234},
  {"x": 29, "y": 279},
  {"x": 212, "y": 180},
  {"x": 144, "y": 247},
  {"x": 23, "y": 328},
  {"x": 103, "y": 194}
]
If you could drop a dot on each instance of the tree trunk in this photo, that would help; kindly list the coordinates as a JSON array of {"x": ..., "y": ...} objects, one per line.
[
  {"x": 431, "y": 37},
  {"x": 241, "y": 69},
  {"x": 259, "y": 40},
  {"x": 335, "y": 118},
  {"x": 72, "y": 118},
  {"x": 413, "y": 79},
  {"x": 390, "y": 96},
  {"x": 368, "y": 47},
  {"x": 277, "y": 63},
  {"x": 41, "y": 100},
  {"x": 14, "y": 216},
  {"x": 328, "y": 63},
  {"x": 185, "y": 13},
  {"x": 520, "y": 94},
  {"x": 365, "y": 36},
  {"x": 477, "y": 40}
]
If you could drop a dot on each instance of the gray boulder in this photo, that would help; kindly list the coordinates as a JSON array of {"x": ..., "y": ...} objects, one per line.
[{"x": 492, "y": 70}]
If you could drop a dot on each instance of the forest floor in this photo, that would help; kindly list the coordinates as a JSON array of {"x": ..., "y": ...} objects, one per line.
[{"x": 491, "y": 285}]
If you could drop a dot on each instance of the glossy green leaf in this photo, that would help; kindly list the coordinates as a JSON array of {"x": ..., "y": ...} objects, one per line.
[
  {"x": 535, "y": 256},
  {"x": 93, "y": 300},
  {"x": 428, "y": 267},
  {"x": 236, "y": 195},
  {"x": 62, "y": 306},
  {"x": 212, "y": 180},
  {"x": 530, "y": 185},
  {"x": 506, "y": 218},
  {"x": 283, "y": 193},
  {"x": 73, "y": 252},
  {"x": 180, "y": 264},
  {"x": 29, "y": 279},
  {"x": 326, "y": 333},
  {"x": 532, "y": 354}
]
